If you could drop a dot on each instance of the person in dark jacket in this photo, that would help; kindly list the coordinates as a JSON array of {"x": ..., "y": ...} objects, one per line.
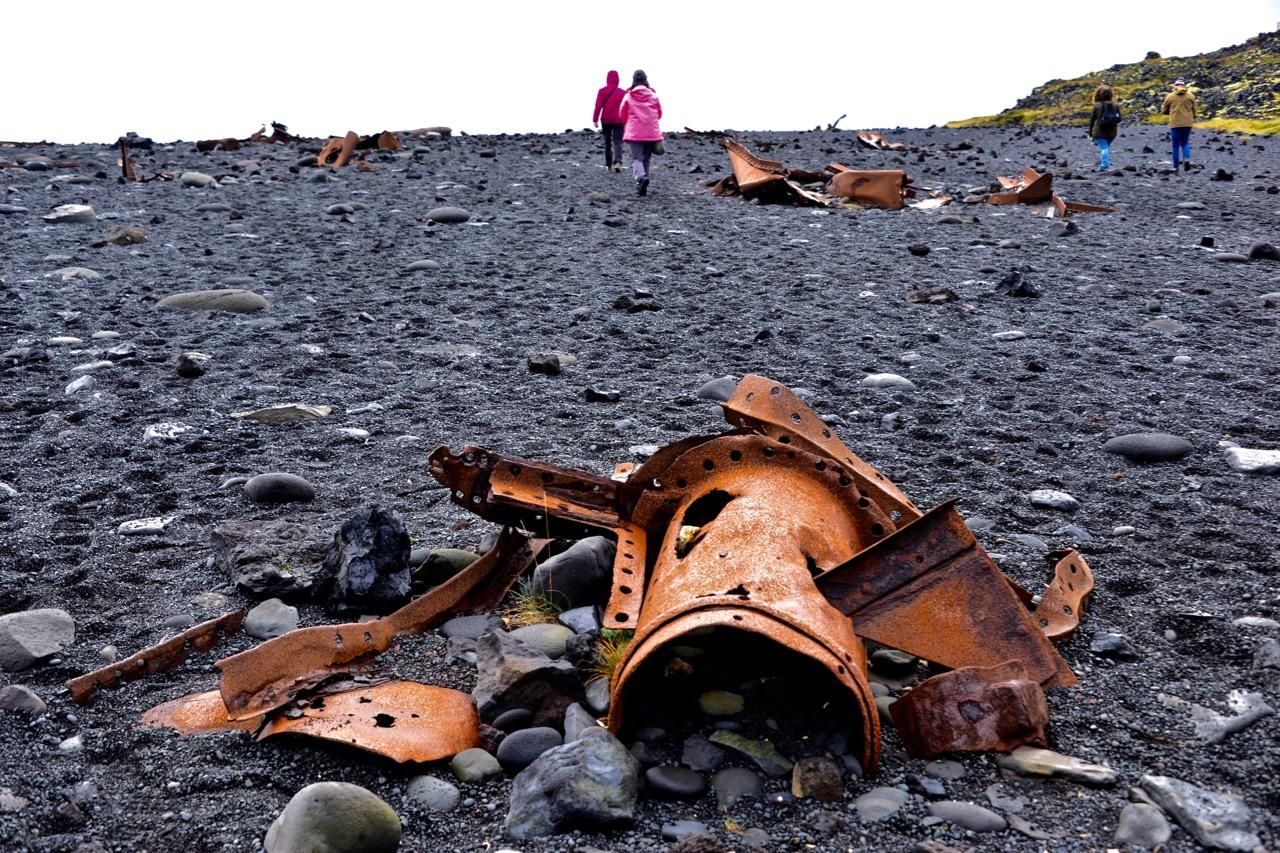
[
  {"x": 1103, "y": 123},
  {"x": 608, "y": 111}
]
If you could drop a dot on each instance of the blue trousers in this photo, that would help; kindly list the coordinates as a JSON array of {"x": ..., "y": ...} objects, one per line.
[
  {"x": 1105, "y": 148},
  {"x": 1181, "y": 139}
]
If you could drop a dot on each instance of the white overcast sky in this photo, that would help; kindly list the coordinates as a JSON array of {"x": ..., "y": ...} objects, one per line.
[{"x": 89, "y": 71}]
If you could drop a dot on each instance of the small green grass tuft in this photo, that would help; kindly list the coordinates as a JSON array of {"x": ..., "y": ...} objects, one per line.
[
  {"x": 611, "y": 647},
  {"x": 526, "y": 607}
]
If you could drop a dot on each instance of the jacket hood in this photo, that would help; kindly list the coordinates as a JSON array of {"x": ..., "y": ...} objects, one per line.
[
  {"x": 611, "y": 79},
  {"x": 641, "y": 93}
]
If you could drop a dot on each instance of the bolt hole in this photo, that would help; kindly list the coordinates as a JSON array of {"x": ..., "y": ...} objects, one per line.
[
  {"x": 515, "y": 470},
  {"x": 768, "y": 452},
  {"x": 708, "y": 464},
  {"x": 546, "y": 477},
  {"x": 775, "y": 391},
  {"x": 784, "y": 439},
  {"x": 735, "y": 455},
  {"x": 620, "y": 617},
  {"x": 682, "y": 483},
  {"x": 625, "y": 590},
  {"x": 877, "y": 530},
  {"x": 795, "y": 417},
  {"x": 1066, "y": 608},
  {"x": 820, "y": 465}
]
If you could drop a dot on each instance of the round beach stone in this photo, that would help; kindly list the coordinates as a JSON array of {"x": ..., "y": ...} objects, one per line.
[
  {"x": 887, "y": 380},
  {"x": 278, "y": 487},
  {"x": 546, "y": 637},
  {"x": 270, "y": 619},
  {"x": 433, "y": 793},
  {"x": 1148, "y": 446},
  {"x": 334, "y": 817},
  {"x": 734, "y": 783},
  {"x": 720, "y": 703},
  {"x": 230, "y": 299},
  {"x": 448, "y": 215},
  {"x": 879, "y": 803},
  {"x": 520, "y": 749},
  {"x": 474, "y": 765},
  {"x": 675, "y": 782},
  {"x": 471, "y": 627}
]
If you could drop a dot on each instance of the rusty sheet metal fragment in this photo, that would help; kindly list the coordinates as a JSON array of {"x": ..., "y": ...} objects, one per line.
[
  {"x": 199, "y": 713},
  {"x": 931, "y": 590},
  {"x": 126, "y": 162},
  {"x": 972, "y": 709},
  {"x": 770, "y": 516},
  {"x": 1034, "y": 188},
  {"x": 1066, "y": 599},
  {"x": 886, "y": 188},
  {"x": 161, "y": 657},
  {"x": 270, "y": 675},
  {"x": 770, "y": 408},
  {"x": 875, "y": 139},
  {"x": 384, "y": 141},
  {"x": 337, "y": 151},
  {"x": 768, "y": 180},
  {"x": 402, "y": 720},
  {"x": 229, "y": 143}
]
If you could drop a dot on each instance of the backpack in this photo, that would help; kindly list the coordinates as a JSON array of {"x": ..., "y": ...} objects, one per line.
[{"x": 1108, "y": 117}]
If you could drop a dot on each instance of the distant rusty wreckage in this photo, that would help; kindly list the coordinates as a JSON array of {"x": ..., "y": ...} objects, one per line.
[
  {"x": 774, "y": 528},
  {"x": 773, "y": 182}
]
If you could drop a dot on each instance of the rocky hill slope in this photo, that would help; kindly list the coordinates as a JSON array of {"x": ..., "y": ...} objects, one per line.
[{"x": 1238, "y": 88}]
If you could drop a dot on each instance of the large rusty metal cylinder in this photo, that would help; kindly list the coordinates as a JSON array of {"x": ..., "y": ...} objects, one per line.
[{"x": 739, "y": 527}]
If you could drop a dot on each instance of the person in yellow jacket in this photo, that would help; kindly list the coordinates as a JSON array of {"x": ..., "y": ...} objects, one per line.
[{"x": 1180, "y": 106}]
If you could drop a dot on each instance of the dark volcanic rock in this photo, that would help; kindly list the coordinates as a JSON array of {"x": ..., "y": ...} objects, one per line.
[
  {"x": 278, "y": 487},
  {"x": 271, "y": 559},
  {"x": 522, "y": 747},
  {"x": 590, "y": 783},
  {"x": 579, "y": 576},
  {"x": 512, "y": 675},
  {"x": 367, "y": 567}
]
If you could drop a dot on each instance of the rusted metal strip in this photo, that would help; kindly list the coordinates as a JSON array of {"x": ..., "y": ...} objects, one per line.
[
  {"x": 161, "y": 657},
  {"x": 972, "y": 709},
  {"x": 339, "y": 150},
  {"x": 771, "y": 409},
  {"x": 1066, "y": 600},
  {"x": 271, "y": 674},
  {"x": 545, "y": 499},
  {"x": 930, "y": 589}
]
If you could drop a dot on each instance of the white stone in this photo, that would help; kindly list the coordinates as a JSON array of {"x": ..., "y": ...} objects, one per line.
[
  {"x": 1009, "y": 336},
  {"x": 167, "y": 431},
  {"x": 146, "y": 526},
  {"x": 73, "y": 273},
  {"x": 1252, "y": 461},
  {"x": 84, "y": 383},
  {"x": 65, "y": 213},
  {"x": 92, "y": 366},
  {"x": 887, "y": 380}
]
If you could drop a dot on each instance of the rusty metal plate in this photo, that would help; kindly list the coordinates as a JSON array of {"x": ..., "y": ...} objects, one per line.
[
  {"x": 199, "y": 713},
  {"x": 338, "y": 150},
  {"x": 402, "y": 720},
  {"x": 766, "y": 180},
  {"x": 771, "y": 409},
  {"x": 886, "y": 188},
  {"x": 268, "y": 676},
  {"x": 1066, "y": 599},
  {"x": 161, "y": 657},
  {"x": 931, "y": 590},
  {"x": 972, "y": 709}
]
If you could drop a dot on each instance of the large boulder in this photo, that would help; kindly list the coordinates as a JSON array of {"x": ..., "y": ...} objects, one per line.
[
  {"x": 589, "y": 783},
  {"x": 578, "y": 576},
  {"x": 29, "y": 635},
  {"x": 273, "y": 559},
  {"x": 367, "y": 567},
  {"x": 334, "y": 817},
  {"x": 512, "y": 675}
]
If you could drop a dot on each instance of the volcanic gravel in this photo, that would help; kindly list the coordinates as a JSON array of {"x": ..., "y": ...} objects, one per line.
[{"x": 812, "y": 298}]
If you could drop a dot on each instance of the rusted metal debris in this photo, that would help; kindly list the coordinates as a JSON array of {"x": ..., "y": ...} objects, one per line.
[
  {"x": 778, "y": 529},
  {"x": 1036, "y": 189},
  {"x": 279, "y": 134},
  {"x": 161, "y": 657},
  {"x": 270, "y": 675},
  {"x": 126, "y": 162},
  {"x": 875, "y": 139},
  {"x": 338, "y": 151},
  {"x": 402, "y": 720},
  {"x": 1066, "y": 600},
  {"x": 972, "y": 709},
  {"x": 773, "y": 182}
]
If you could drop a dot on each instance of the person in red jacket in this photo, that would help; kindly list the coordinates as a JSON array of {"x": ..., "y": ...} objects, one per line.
[
  {"x": 608, "y": 106},
  {"x": 640, "y": 113}
]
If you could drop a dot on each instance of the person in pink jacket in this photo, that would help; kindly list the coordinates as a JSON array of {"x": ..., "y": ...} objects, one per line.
[
  {"x": 640, "y": 114},
  {"x": 608, "y": 112}
]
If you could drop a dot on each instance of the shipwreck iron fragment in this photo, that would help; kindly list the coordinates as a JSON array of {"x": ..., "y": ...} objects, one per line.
[
  {"x": 1066, "y": 599},
  {"x": 886, "y": 188},
  {"x": 161, "y": 657},
  {"x": 273, "y": 673},
  {"x": 1036, "y": 189},
  {"x": 972, "y": 709}
]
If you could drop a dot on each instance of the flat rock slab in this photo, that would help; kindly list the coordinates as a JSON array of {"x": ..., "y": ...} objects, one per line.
[
  {"x": 1221, "y": 821},
  {"x": 879, "y": 803},
  {"x": 29, "y": 635},
  {"x": 1032, "y": 761},
  {"x": 230, "y": 299},
  {"x": 1250, "y": 461},
  {"x": 272, "y": 558},
  {"x": 970, "y": 816}
]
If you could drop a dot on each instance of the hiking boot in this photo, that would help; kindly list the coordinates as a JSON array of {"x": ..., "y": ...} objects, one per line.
[
  {"x": 1186, "y": 165},
  {"x": 617, "y": 167},
  {"x": 642, "y": 186}
]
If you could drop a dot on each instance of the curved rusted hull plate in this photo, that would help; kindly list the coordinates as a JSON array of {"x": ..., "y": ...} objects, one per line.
[
  {"x": 199, "y": 713},
  {"x": 402, "y": 720}
]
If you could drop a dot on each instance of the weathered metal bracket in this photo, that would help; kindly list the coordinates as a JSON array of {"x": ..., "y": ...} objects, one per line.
[
  {"x": 1066, "y": 599},
  {"x": 931, "y": 590}
]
